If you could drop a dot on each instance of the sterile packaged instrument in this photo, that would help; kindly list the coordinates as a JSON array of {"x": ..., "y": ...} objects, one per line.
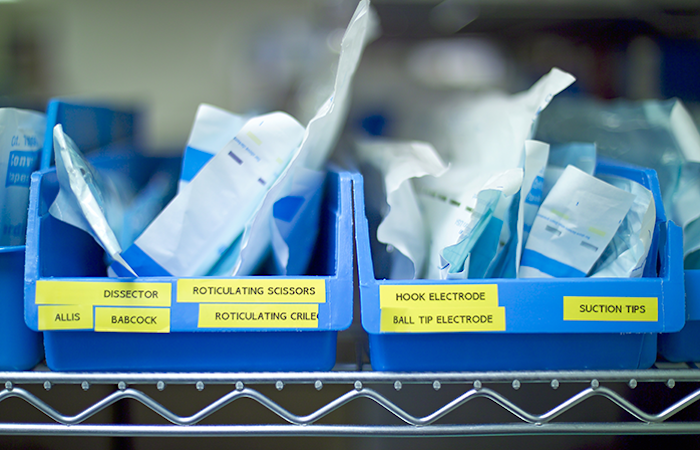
[
  {"x": 573, "y": 226},
  {"x": 192, "y": 233},
  {"x": 21, "y": 139}
]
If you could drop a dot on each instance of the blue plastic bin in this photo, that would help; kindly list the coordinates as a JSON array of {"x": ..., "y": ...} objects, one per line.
[
  {"x": 66, "y": 271},
  {"x": 92, "y": 127},
  {"x": 684, "y": 346},
  {"x": 535, "y": 333},
  {"x": 22, "y": 347}
]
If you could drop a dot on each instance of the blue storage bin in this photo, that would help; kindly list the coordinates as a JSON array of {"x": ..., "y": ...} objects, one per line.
[
  {"x": 69, "y": 297},
  {"x": 527, "y": 324},
  {"x": 684, "y": 346},
  {"x": 22, "y": 348},
  {"x": 91, "y": 126}
]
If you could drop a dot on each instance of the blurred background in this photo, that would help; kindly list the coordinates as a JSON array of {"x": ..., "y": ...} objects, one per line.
[{"x": 169, "y": 56}]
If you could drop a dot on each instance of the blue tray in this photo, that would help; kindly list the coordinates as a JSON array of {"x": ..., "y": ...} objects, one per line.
[{"x": 529, "y": 327}]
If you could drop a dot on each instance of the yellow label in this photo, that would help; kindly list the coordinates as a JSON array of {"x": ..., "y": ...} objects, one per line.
[
  {"x": 251, "y": 290},
  {"x": 65, "y": 317},
  {"x": 273, "y": 315},
  {"x": 420, "y": 320},
  {"x": 132, "y": 320},
  {"x": 438, "y": 295},
  {"x": 617, "y": 309},
  {"x": 107, "y": 293}
]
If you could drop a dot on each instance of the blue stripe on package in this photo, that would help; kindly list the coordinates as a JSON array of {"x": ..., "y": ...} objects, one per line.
[{"x": 213, "y": 128}]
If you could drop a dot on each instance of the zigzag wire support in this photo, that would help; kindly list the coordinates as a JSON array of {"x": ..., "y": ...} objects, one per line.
[{"x": 524, "y": 421}]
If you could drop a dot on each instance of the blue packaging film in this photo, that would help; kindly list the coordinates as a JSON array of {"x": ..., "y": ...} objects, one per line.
[{"x": 524, "y": 324}]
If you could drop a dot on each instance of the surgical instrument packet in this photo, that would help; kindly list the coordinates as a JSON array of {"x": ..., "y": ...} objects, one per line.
[
  {"x": 21, "y": 139},
  {"x": 574, "y": 224},
  {"x": 190, "y": 235}
]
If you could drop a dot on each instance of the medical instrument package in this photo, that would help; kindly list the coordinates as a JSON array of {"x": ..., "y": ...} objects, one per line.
[
  {"x": 657, "y": 134},
  {"x": 321, "y": 134},
  {"x": 522, "y": 324},
  {"x": 94, "y": 322},
  {"x": 21, "y": 139},
  {"x": 455, "y": 260},
  {"x": 190, "y": 235},
  {"x": 212, "y": 130},
  {"x": 483, "y": 141},
  {"x": 86, "y": 199},
  {"x": 660, "y": 135},
  {"x": 293, "y": 198},
  {"x": 506, "y": 264},
  {"x": 403, "y": 226},
  {"x": 573, "y": 226}
]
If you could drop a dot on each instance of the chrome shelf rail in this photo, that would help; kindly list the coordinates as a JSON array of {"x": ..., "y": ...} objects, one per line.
[{"x": 360, "y": 385}]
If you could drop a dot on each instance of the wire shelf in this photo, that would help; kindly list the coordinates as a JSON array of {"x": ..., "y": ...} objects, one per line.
[{"x": 351, "y": 386}]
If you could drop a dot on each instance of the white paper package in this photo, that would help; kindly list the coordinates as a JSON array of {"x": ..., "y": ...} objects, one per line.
[
  {"x": 190, "y": 235},
  {"x": 404, "y": 227},
  {"x": 480, "y": 138},
  {"x": 21, "y": 140},
  {"x": 320, "y": 137},
  {"x": 574, "y": 225}
]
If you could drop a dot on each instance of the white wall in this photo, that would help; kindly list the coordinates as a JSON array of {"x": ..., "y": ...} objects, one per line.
[{"x": 168, "y": 55}]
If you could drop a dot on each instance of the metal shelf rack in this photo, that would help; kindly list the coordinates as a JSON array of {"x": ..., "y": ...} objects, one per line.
[{"x": 383, "y": 390}]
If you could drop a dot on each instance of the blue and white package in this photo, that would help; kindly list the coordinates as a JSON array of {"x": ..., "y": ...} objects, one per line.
[
  {"x": 455, "y": 259},
  {"x": 87, "y": 200},
  {"x": 522, "y": 212},
  {"x": 21, "y": 139},
  {"x": 574, "y": 225},
  {"x": 213, "y": 128},
  {"x": 199, "y": 225}
]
